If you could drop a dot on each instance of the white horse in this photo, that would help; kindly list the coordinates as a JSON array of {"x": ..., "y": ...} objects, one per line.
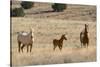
[{"x": 25, "y": 39}]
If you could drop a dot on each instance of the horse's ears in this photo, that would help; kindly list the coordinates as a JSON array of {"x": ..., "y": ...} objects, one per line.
[
  {"x": 66, "y": 33},
  {"x": 86, "y": 24},
  {"x": 31, "y": 29}
]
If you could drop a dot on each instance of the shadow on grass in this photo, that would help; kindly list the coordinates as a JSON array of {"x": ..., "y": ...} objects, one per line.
[{"x": 41, "y": 12}]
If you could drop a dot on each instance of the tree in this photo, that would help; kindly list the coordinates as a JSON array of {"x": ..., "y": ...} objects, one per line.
[
  {"x": 57, "y": 7},
  {"x": 26, "y": 4},
  {"x": 17, "y": 12}
]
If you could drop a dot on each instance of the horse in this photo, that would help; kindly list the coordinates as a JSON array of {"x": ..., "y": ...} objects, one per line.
[
  {"x": 26, "y": 39},
  {"x": 84, "y": 39},
  {"x": 59, "y": 42}
]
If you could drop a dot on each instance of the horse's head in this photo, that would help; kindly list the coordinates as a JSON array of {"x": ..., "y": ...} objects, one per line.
[
  {"x": 86, "y": 28},
  {"x": 32, "y": 33},
  {"x": 64, "y": 37}
]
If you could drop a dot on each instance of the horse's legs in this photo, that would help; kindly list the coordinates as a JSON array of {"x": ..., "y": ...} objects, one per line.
[
  {"x": 22, "y": 47},
  {"x": 27, "y": 47},
  {"x": 87, "y": 45},
  {"x": 60, "y": 47},
  {"x": 81, "y": 44},
  {"x": 30, "y": 47},
  {"x": 54, "y": 47},
  {"x": 19, "y": 44}
]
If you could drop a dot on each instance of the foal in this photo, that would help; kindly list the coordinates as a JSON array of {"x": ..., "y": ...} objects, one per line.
[
  {"x": 59, "y": 42},
  {"x": 84, "y": 37}
]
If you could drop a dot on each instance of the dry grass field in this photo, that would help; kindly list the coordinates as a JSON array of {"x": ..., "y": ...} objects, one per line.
[{"x": 49, "y": 26}]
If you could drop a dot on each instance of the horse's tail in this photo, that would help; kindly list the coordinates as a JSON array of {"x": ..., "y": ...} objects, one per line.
[
  {"x": 81, "y": 37},
  {"x": 54, "y": 42}
]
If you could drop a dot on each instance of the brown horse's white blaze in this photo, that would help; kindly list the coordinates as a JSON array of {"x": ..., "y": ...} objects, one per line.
[{"x": 59, "y": 42}]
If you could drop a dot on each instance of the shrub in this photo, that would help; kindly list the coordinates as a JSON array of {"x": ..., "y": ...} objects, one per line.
[
  {"x": 57, "y": 7},
  {"x": 26, "y": 4},
  {"x": 17, "y": 12}
]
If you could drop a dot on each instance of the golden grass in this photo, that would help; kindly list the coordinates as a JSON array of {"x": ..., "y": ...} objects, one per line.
[
  {"x": 48, "y": 56},
  {"x": 45, "y": 31}
]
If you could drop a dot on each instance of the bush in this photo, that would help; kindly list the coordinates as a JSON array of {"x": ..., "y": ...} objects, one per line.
[
  {"x": 17, "y": 12},
  {"x": 58, "y": 7},
  {"x": 26, "y": 4}
]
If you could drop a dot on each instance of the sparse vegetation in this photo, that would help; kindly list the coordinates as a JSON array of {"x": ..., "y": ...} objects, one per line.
[
  {"x": 57, "y": 7},
  {"x": 17, "y": 12},
  {"x": 42, "y": 52},
  {"x": 27, "y": 5}
]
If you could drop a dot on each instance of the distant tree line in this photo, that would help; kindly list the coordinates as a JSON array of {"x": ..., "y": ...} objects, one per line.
[{"x": 19, "y": 12}]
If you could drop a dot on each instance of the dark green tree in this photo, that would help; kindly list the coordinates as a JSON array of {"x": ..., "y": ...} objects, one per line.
[
  {"x": 27, "y": 4},
  {"x": 57, "y": 7},
  {"x": 17, "y": 12}
]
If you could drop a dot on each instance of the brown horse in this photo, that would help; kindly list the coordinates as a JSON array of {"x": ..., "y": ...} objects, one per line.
[
  {"x": 84, "y": 37},
  {"x": 59, "y": 42}
]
